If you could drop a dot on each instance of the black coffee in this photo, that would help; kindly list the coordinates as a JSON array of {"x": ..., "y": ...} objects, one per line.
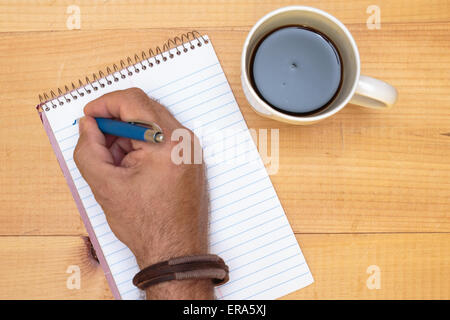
[{"x": 296, "y": 70}]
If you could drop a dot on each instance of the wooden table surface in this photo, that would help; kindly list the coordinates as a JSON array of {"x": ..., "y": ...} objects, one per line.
[{"x": 360, "y": 189}]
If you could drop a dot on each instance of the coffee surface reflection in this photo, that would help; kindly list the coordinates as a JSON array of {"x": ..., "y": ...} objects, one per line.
[{"x": 296, "y": 70}]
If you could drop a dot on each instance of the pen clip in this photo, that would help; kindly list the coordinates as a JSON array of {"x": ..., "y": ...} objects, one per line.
[
  {"x": 147, "y": 124},
  {"x": 155, "y": 135}
]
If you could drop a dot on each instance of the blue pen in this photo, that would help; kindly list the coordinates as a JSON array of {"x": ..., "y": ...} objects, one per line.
[{"x": 137, "y": 130}]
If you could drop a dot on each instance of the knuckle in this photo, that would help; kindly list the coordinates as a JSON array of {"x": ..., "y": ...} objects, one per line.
[
  {"x": 141, "y": 105},
  {"x": 135, "y": 92}
]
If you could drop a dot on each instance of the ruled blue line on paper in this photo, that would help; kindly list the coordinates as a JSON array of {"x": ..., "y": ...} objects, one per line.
[
  {"x": 260, "y": 236},
  {"x": 85, "y": 197},
  {"x": 190, "y": 85},
  {"x": 241, "y": 187},
  {"x": 248, "y": 196},
  {"x": 122, "y": 271},
  {"x": 232, "y": 169},
  {"x": 267, "y": 278},
  {"x": 152, "y": 91},
  {"x": 239, "y": 211},
  {"x": 257, "y": 248},
  {"x": 278, "y": 284},
  {"x": 96, "y": 215},
  {"x": 67, "y": 149},
  {"x": 228, "y": 137},
  {"x": 91, "y": 206},
  {"x": 170, "y": 106},
  {"x": 223, "y": 150},
  {"x": 207, "y": 112},
  {"x": 63, "y": 128},
  {"x": 103, "y": 234},
  {"x": 216, "y": 119},
  {"x": 247, "y": 230},
  {"x": 256, "y": 271},
  {"x": 203, "y": 102},
  {"x": 243, "y": 220},
  {"x": 130, "y": 291},
  {"x": 117, "y": 251},
  {"x": 232, "y": 124},
  {"x": 82, "y": 187},
  {"x": 229, "y": 160},
  {"x": 66, "y": 138},
  {"x": 263, "y": 257},
  {"x": 110, "y": 243},
  {"x": 100, "y": 225},
  {"x": 127, "y": 280},
  {"x": 120, "y": 261}
]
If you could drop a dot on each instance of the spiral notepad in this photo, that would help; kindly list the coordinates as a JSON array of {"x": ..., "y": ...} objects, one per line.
[{"x": 248, "y": 226}]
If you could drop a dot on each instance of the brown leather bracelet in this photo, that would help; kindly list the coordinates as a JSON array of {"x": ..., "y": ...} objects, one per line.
[{"x": 209, "y": 266}]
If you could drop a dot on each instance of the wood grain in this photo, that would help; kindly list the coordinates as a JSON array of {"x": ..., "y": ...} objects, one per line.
[
  {"x": 412, "y": 266},
  {"x": 37, "y": 268},
  {"x": 364, "y": 187},
  {"x": 23, "y": 15}
]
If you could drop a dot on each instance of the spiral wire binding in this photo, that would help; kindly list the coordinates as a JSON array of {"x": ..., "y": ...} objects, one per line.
[{"x": 128, "y": 67}]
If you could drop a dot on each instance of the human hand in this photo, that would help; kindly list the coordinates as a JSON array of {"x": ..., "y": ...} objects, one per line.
[{"x": 157, "y": 208}]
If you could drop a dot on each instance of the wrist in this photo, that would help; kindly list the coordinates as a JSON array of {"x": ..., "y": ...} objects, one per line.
[
  {"x": 179, "y": 289},
  {"x": 200, "y": 289},
  {"x": 151, "y": 252},
  {"x": 148, "y": 257}
]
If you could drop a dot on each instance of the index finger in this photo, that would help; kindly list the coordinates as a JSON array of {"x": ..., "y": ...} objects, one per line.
[
  {"x": 91, "y": 155},
  {"x": 130, "y": 105}
]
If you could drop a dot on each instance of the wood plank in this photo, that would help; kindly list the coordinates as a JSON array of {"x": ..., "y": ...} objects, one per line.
[
  {"x": 37, "y": 268},
  {"x": 361, "y": 171},
  {"x": 23, "y": 15},
  {"x": 413, "y": 266}
]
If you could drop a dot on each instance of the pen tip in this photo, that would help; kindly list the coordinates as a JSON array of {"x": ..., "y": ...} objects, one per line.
[{"x": 159, "y": 137}]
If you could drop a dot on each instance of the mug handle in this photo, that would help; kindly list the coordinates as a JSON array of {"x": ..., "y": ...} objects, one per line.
[{"x": 374, "y": 93}]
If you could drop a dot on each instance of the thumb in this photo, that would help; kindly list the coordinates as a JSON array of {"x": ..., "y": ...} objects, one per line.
[{"x": 92, "y": 157}]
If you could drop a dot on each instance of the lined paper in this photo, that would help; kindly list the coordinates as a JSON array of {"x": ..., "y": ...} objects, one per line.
[{"x": 248, "y": 226}]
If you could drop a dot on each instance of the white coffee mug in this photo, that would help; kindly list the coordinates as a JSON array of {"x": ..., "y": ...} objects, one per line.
[{"x": 356, "y": 89}]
